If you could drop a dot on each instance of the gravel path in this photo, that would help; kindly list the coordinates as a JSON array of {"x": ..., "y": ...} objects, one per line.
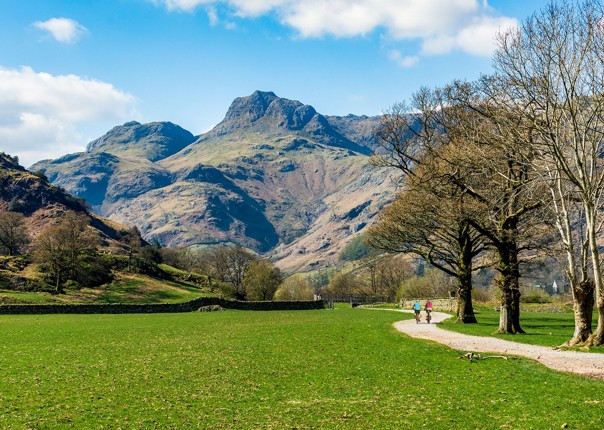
[{"x": 582, "y": 363}]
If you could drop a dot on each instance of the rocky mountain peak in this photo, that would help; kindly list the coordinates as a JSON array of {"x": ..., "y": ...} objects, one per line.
[
  {"x": 264, "y": 111},
  {"x": 154, "y": 141},
  {"x": 261, "y": 105},
  {"x": 250, "y": 108}
]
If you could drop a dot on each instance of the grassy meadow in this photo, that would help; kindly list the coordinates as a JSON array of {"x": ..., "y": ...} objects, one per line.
[
  {"x": 542, "y": 328},
  {"x": 342, "y": 368},
  {"x": 125, "y": 288}
]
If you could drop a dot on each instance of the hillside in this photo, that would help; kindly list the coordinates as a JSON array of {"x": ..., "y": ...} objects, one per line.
[
  {"x": 43, "y": 204},
  {"x": 274, "y": 176}
]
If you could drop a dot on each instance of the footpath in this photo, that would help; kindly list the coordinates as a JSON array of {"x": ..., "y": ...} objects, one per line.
[{"x": 582, "y": 363}]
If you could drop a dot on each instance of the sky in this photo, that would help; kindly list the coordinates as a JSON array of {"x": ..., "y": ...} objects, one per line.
[{"x": 71, "y": 70}]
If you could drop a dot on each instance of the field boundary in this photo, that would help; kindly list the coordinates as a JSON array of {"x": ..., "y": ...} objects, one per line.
[{"x": 125, "y": 308}]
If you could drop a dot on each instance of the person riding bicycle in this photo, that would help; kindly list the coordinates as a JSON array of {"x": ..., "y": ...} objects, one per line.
[
  {"x": 417, "y": 307},
  {"x": 428, "y": 309}
]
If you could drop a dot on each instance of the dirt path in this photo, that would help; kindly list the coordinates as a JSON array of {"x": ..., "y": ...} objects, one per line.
[{"x": 583, "y": 363}]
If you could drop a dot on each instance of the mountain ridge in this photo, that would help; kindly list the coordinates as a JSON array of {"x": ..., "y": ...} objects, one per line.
[{"x": 263, "y": 178}]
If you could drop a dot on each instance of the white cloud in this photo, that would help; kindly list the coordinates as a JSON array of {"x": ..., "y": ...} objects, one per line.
[
  {"x": 45, "y": 116},
  {"x": 439, "y": 25},
  {"x": 213, "y": 16},
  {"x": 477, "y": 38},
  {"x": 401, "y": 60},
  {"x": 64, "y": 30}
]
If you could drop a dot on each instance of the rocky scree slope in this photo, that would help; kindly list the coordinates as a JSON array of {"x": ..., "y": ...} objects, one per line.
[{"x": 274, "y": 176}]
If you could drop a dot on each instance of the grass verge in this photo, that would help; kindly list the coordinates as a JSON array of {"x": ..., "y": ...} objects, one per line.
[
  {"x": 125, "y": 288},
  {"x": 343, "y": 368},
  {"x": 547, "y": 329}
]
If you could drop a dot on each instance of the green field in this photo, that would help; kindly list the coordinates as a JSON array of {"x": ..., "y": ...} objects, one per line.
[
  {"x": 343, "y": 368},
  {"x": 125, "y": 288},
  {"x": 542, "y": 328}
]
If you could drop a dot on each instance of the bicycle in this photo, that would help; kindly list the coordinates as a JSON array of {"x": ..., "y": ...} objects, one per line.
[
  {"x": 417, "y": 317},
  {"x": 428, "y": 316}
]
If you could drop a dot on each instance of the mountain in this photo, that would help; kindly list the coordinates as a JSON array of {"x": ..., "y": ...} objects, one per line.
[
  {"x": 42, "y": 203},
  {"x": 152, "y": 141},
  {"x": 274, "y": 176}
]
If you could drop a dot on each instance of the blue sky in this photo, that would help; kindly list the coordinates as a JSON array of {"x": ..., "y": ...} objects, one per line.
[{"x": 71, "y": 70}]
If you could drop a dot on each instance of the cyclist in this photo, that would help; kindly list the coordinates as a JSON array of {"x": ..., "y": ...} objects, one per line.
[
  {"x": 417, "y": 307},
  {"x": 428, "y": 309}
]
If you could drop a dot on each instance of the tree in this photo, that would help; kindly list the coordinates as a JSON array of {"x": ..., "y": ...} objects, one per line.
[
  {"x": 434, "y": 284},
  {"x": 295, "y": 287},
  {"x": 132, "y": 242},
  {"x": 343, "y": 285},
  {"x": 483, "y": 148},
  {"x": 231, "y": 265},
  {"x": 383, "y": 275},
  {"x": 13, "y": 233},
  {"x": 553, "y": 66},
  {"x": 435, "y": 228},
  {"x": 262, "y": 280},
  {"x": 59, "y": 248}
]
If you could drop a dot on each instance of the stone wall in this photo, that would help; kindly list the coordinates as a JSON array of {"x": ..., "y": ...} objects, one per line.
[{"x": 189, "y": 306}]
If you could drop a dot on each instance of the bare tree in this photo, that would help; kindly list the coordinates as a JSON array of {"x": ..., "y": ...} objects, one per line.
[
  {"x": 13, "y": 233},
  {"x": 231, "y": 265},
  {"x": 553, "y": 66},
  {"x": 59, "y": 248}
]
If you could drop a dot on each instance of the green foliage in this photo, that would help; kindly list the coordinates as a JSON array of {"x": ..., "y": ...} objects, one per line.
[
  {"x": 534, "y": 295},
  {"x": 345, "y": 369},
  {"x": 93, "y": 270},
  {"x": 356, "y": 249},
  {"x": 261, "y": 281},
  {"x": 295, "y": 287}
]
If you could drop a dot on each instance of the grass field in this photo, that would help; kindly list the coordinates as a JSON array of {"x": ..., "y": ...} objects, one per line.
[
  {"x": 125, "y": 288},
  {"x": 331, "y": 369},
  {"x": 542, "y": 328}
]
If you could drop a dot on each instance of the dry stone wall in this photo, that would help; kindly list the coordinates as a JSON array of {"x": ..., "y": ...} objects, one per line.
[{"x": 190, "y": 306}]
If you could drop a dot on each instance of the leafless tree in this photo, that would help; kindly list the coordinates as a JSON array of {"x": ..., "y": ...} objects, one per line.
[
  {"x": 553, "y": 67},
  {"x": 59, "y": 247},
  {"x": 13, "y": 233}
]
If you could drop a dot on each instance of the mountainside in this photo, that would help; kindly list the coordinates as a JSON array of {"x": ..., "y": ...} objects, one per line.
[
  {"x": 274, "y": 176},
  {"x": 43, "y": 204}
]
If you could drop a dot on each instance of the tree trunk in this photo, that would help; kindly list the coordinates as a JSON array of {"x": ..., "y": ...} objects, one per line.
[
  {"x": 465, "y": 310},
  {"x": 58, "y": 287},
  {"x": 509, "y": 317},
  {"x": 597, "y": 337},
  {"x": 516, "y": 311},
  {"x": 505, "y": 313},
  {"x": 583, "y": 304}
]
